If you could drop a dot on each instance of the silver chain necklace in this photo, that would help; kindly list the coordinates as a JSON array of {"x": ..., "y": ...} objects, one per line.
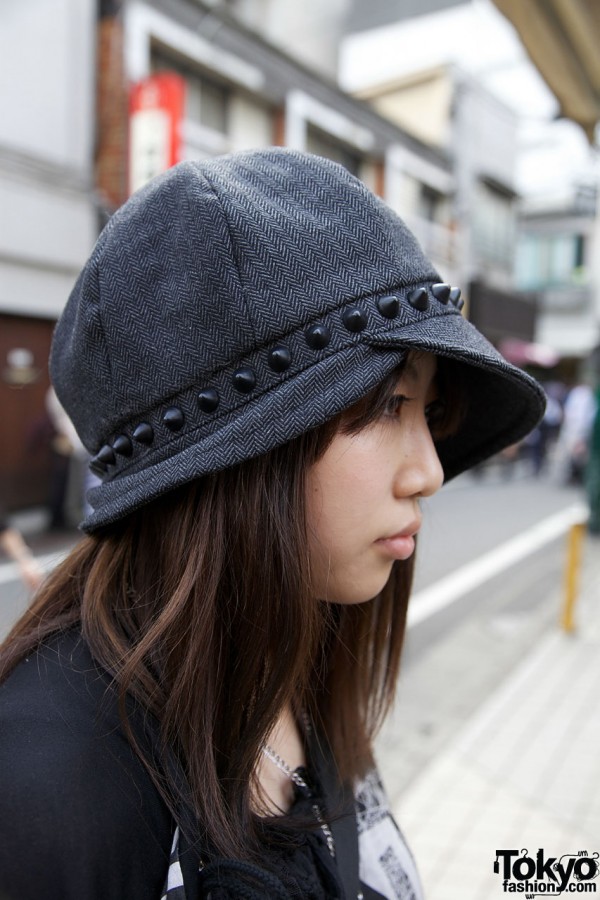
[{"x": 298, "y": 780}]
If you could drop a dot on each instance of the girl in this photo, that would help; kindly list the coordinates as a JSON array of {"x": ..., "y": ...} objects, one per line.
[{"x": 270, "y": 376}]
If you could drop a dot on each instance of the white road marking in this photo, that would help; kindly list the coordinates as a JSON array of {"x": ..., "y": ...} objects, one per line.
[
  {"x": 10, "y": 571},
  {"x": 443, "y": 593}
]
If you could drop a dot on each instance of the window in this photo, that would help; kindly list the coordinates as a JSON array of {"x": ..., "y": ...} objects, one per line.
[
  {"x": 550, "y": 261},
  {"x": 430, "y": 202},
  {"x": 323, "y": 144},
  {"x": 207, "y": 100},
  {"x": 494, "y": 226},
  {"x": 207, "y": 103}
]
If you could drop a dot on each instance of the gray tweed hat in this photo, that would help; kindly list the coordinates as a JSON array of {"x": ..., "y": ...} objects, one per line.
[{"x": 231, "y": 305}]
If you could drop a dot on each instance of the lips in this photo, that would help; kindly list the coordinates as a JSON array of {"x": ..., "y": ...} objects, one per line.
[{"x": 400, "y": 545}]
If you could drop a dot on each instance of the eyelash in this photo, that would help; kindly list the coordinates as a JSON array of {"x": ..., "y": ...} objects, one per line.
[
  {"x": 395, "y": 404},
  {"x": 434, "y": 411}
]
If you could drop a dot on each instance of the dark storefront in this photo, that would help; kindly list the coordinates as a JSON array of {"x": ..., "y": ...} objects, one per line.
[
  {"x": 501, "y": 314},
  {"x": 25, "y": 433}
]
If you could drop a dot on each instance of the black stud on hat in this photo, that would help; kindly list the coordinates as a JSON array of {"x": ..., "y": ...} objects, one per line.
[{"x": 231, "y": 305}]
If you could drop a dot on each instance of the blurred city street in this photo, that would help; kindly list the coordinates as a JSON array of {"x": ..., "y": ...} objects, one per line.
[{"x": 493, "y": 741}]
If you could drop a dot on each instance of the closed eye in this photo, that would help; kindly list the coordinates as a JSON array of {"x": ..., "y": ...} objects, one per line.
[{"x": 395, "y": 404}]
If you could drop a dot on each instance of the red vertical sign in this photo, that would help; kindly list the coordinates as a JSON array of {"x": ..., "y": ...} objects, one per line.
[{"x": 156, "y": 108}]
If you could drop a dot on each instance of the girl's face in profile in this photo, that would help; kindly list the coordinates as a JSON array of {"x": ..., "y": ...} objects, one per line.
[{"x": 363, "y": 493}]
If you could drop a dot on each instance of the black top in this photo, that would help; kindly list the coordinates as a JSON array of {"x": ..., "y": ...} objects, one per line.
[{"x": 79, "y": 817}]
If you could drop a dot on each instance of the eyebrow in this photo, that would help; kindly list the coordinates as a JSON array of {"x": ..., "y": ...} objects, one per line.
[{"x": 410, "y": 369}]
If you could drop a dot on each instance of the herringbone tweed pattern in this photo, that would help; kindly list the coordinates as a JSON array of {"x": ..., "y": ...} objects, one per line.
[{"x": 254, "y": 281}]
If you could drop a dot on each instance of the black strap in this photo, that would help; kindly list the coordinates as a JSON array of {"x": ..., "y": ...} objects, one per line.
[
  {"x": 189, "y": 860},
  {"x": 191, "y": 842},
  {"x": 343, "y": 824},
  {"x": 339, "y": 799},
  {"x": 147, "y": 733}
]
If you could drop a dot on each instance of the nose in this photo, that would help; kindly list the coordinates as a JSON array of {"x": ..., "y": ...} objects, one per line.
[{"x": 419, "y": 472}]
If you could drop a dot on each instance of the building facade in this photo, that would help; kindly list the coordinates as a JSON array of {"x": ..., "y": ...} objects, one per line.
[
  {"x": 47, "y": 213},
  {"x": 67, "y": 170},
  {"x": 557, "y": 263},
  {"x": 447, "y": 108},
  {"x": 436, "y": 67}
]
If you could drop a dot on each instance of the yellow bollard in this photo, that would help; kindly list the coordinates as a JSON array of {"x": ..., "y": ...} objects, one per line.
[{"x": 572, "y": 570}]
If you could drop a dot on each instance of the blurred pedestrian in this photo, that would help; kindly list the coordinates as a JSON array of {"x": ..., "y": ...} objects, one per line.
[
  {"x": 541, "y": 439},
  {"x": 67, "y": 476},
  {"x": 14, "y": 545},
  {"x": 573, "y": 440},
  {"x": 271, "y": 376},
  {"x": 593, "y": 471}
]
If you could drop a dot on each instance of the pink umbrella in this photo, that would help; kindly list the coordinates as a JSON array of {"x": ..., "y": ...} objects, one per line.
[{"x": 522, "y": 353}]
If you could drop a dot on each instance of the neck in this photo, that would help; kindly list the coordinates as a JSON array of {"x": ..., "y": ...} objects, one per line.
[{"x": 275, "y": 787}]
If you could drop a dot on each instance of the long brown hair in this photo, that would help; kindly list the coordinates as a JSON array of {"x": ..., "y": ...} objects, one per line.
[{"x": 199, "y": 605}]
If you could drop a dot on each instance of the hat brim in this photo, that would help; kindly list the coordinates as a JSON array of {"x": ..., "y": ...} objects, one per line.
[
  {"x": 502, "y": 405},
  {"x": 308, "y": 399}
]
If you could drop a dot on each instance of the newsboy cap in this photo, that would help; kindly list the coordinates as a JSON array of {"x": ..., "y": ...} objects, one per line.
[{"x": 233, "y": 304}]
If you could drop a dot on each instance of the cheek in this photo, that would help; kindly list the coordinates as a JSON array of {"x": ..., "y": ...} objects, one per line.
[
  {"x": 342, "y": 492},
  {"x": 344, "y": 568},
  {"x": 351, "y": 502},
  {"x": 343, "y": 499},
  {"x": 322, "y": 512}
]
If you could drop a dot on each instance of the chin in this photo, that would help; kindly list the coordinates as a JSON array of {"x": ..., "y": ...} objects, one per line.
[{"x": 351, "y": 595}]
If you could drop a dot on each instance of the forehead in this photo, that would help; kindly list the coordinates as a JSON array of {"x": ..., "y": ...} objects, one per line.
[{"x": 419, "y": 368}]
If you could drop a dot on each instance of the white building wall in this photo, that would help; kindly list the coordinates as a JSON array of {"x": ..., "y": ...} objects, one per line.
[
  {"x": 574, "y": 334},
  {"x": 489, "y": 128},
  {"x": 310, "y": 30},
  {"x": 250, "y": 124},
  {"x": 46, "y": 233},
  {"x": 47, "y": 219},
  {"x": 28, "y": 226},
  {"x": 46, "y": 78}
]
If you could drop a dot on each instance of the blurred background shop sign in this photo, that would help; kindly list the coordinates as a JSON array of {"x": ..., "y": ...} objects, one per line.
[
  {"x": 502, "y": 314},
  {"x": 527, "y": 353},
  {"x": 19, "y": 368},
  {"x": 155, "y": 116}
]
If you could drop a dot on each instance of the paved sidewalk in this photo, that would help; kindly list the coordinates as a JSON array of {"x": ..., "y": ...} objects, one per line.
[{"x": 524, "y": 771}]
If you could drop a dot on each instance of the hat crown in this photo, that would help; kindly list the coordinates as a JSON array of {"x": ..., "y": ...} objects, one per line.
[
  {"x": 211, "y": 260},
  {"x": 231, "y": 305}
]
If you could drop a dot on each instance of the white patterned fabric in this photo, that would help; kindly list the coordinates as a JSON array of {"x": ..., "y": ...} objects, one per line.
[
  {"x": 174, "y": 889},
  {"x": 386, "y": 866}
]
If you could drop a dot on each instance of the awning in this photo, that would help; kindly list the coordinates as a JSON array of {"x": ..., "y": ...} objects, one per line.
[
  {"x": 562, "y": 38},
  {"x": 524, "y": 353},
  {"x": 502, "y": 314}
]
